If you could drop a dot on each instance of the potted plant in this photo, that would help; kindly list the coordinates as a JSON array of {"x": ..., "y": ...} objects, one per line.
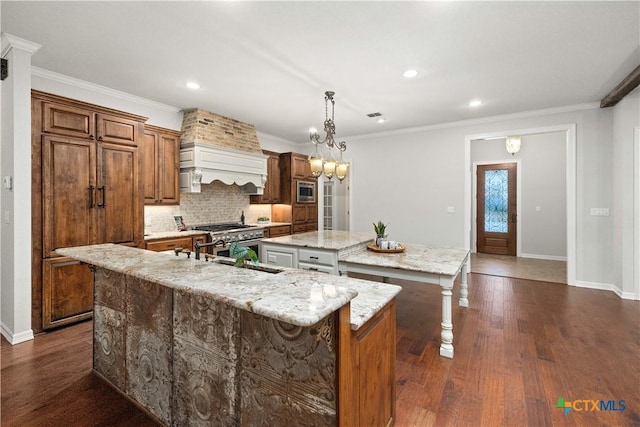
[
  {"x": 263, "y": 220},
  {"x": 380, "y": 228},
  {"x": 242, "y": 254}
]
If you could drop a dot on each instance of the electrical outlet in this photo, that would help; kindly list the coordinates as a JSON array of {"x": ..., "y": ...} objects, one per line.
[{"x": 7, "y": 217}]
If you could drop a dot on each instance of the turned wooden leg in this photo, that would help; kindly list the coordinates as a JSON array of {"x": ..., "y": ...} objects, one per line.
[
  {"x": 446, "y": 344},
  {"x": 464, "y": 289}
]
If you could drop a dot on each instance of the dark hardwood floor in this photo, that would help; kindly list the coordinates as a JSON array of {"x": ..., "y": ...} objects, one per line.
[{"x": 519, "y": 347}]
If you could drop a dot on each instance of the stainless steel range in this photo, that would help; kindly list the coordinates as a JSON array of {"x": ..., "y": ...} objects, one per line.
[{"x": 225, "y": 233}]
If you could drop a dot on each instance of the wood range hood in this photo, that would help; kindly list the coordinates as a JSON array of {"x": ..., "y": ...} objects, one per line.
[{"x": 215, "y": 147}]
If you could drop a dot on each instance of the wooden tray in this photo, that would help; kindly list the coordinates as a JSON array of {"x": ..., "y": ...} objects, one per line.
[{"x": 373, "y": 247}]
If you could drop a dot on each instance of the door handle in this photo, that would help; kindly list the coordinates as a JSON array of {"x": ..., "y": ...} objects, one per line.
[
  {"x": 103, "y": 204},
  {"x": 514, "y": 217},
  {"x": 92, "y": 196}
]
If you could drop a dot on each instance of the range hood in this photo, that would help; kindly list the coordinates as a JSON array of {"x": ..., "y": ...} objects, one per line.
[
  {"x": 215, "y": 147},
  {"x": 203, "y": 163}
]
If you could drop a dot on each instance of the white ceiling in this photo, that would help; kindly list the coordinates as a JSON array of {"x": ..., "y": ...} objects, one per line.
[{"x": 269, "y": 63}]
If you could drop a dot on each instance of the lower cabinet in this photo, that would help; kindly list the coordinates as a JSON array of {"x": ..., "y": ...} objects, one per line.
[
  {"x": 277, "y": 255},
  {"x": 324, "y": 261},
  {"x": 172, "y": 243},
  {"x": 373, "y": 352},
  {"x": 67, "y": 292},
  {"x": 277, "y": 231}
]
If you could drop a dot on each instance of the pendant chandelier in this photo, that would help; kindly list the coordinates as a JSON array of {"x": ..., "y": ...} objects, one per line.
[{"x": 319, "y": 165}]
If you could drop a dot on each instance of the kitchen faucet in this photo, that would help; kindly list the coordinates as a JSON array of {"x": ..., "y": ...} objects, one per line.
[{"x": 199, "y": 245}]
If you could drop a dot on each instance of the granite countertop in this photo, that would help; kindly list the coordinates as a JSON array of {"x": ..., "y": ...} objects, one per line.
[
  {"x": 420, "y": 258},
  {"x": 295, "y": 296},
  {"x": 337, "y": 240}
]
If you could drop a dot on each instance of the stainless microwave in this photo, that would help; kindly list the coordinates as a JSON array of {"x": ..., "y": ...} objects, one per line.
[{"x": 305, "y": 192}]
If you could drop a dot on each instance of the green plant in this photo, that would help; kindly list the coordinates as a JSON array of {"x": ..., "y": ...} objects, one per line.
[
  {"x": 380, "y": 228},
  {"x": 263, "y": 218},
  {"x": 242, "y": 254}
]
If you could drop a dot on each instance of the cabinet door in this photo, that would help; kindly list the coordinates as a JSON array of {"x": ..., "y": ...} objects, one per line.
[
  {"x": 69, "y": 193},
  {"x": 280, "y": 257},
  {"x": 149, "y": 162},
  {"x": 298, "y": 214},
  {"x": 300, "y": 167},
  {"x": 168, "y": 169},
  {"x": 119, "y": 206},
  {"x": 170, "y": 244},
  {"x": 273, "y": 177},
  {"x": 117, "y": 129},
  {"x": 374, "y": 352},
  {"x": 67, "y": 292},
  {"x": 66, "y": 120}
]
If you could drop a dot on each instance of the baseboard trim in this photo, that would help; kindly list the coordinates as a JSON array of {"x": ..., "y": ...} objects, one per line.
[
  {"x": 547, "y": 257},
  {"x": 15, "y": 338}
]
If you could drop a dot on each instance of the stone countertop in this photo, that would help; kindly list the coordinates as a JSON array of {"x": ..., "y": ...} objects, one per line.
[
  {"x": 336, "y": 240},
  {"x": 294, "y": 296},
  {"x": 420, "y": 258}
]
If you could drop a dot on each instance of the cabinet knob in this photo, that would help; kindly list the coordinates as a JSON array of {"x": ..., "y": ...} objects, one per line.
[
  {"x": 100, "y": 138},
  {"x": 91, "y": 137}
]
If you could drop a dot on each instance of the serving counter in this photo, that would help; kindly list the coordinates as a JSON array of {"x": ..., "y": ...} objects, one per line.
[{"x": 204, "y": 343}]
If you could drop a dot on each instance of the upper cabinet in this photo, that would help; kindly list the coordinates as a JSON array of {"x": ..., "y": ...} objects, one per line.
[
  {"x": 300, "y": 167},
  {"x": 69, "y": 120},
  {"x": 160, "y": 150},
  {"x": 271, "y": 193}
]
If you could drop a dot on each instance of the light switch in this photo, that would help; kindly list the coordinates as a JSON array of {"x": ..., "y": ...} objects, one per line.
[
  {"x": 8, "y": 182},
  {"x": 451, "y": 209},
  {"x": 537, "y": 208},
  {"x": 599, "y": 211},
  {"x": 7, "y": 217}
]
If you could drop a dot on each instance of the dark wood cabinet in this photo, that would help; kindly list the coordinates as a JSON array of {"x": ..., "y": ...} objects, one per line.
[
  {"x": 272, "y": 186},
  {"x": 300, "y": 167},
  {"x": 295, "y": 167},
  {"x": 373, "y": 352},
  {"x": 160, "y": 152},
  {"x": 67, "y": 290},
  {"x": 277, "y": 231},
  {"x": 86, "y": 190},
  {"x": 171, "y": 243}
]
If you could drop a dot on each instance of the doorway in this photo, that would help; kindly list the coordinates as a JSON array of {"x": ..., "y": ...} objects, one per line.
[{"x": 497, "y": 209}]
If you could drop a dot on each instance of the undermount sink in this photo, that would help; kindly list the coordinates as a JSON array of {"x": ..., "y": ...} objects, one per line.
[{"x": 260, "y": 267}]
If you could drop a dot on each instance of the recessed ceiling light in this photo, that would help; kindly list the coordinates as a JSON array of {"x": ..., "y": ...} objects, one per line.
[
  {"x": 475, "y": 103},
  {"x": 409, "y": 74},
  {"x": 192, "y": 85},
  {"x": 382, "y": 120}
]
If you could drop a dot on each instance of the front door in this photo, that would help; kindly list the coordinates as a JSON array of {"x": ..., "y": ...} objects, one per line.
[{"x": 496, "y": 203}]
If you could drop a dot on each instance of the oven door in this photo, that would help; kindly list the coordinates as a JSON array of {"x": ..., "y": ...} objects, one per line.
[{"x": 251, "y": 244}]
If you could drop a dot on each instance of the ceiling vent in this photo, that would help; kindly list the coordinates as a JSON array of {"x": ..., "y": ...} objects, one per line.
[{"x": 374, "y": 115}]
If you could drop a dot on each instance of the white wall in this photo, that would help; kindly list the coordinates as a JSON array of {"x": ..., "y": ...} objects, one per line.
[
  {"x": 626, "y": 116},
  {"x": 15, "y": 281},
  {"x": 409, "y": 179},
  {"x": 159, "y": 114},
  {"x": 542, "y": 169}
]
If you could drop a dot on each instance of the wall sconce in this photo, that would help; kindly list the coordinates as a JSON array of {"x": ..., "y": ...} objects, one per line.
[{"x": 513, "y": 144}]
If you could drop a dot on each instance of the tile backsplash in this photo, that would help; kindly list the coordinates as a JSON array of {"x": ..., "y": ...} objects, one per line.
[{"x": 216, "y": 203}]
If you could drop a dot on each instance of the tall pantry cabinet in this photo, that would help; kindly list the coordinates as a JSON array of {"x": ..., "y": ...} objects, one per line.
[{"x": 86, "y": 190}]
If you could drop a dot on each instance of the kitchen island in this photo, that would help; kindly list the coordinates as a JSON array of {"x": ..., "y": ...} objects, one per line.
[
  {"x": 343, "y": 252},
  {"x": 203, "y": 343}
]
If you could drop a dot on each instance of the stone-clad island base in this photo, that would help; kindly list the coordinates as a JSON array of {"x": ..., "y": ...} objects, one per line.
[
  {"x": 205, "y": 344},
  {"x": 192, "y": 361}
]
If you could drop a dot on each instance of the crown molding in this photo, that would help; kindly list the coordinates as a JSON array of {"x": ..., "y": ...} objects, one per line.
[
  {"x": 9, "y": 41},
  {"x": 481, "y": 120},
  {"x": 103, "y": 90}
]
